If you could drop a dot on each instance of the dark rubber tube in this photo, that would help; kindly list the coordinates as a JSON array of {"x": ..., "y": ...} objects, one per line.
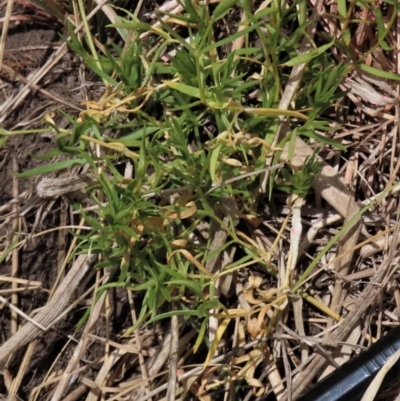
[{"x": 350, "y": 381}]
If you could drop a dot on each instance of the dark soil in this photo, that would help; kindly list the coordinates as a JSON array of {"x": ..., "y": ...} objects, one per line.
[{"x": 28, "y": 47}]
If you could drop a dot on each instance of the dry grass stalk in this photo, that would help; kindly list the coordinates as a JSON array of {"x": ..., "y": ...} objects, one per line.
[
  {"x": 13, "y": 102},
  {"x": 15, "y": 76},
  {"x": 15, "y": 253},
  {"x": 138, "y": 339},
  {"x": 51, "y": 311},
  {"x": 12, "y": 393},
  {"x": 173, "y": 360},
  {"x": 370, "y": 293},
  {"x": 94, "y": 318},
  {"x": 61, "y": 186},
  {"x": 4, "y": 32}
]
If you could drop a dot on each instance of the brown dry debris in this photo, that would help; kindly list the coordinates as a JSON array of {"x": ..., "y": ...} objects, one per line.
[{"x": 278, "y": 338}]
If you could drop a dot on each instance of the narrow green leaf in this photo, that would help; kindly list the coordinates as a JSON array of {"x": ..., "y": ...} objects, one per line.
[
  {"x": 379, "y": 73},
  {"x": 140, "y": 26},
  {"x": 187, "y": 284},
  {"x": 135, "y": 138},
  {"x": 50, "y": 168},
  {"x": 214, "y": 162},
  {"x": 231, "y": 38},
  {"x": 48, "y": 155},
  {"x": 323, "y": 139},
  {"x": 170, "y": 314},
  {"x": 200, "y": 337},
  {"x": 222, "y": 8},
  {"x": 186, "y": 89},
  {"x": 382, "y": 31},
  {"x": 307, "y": 57}
]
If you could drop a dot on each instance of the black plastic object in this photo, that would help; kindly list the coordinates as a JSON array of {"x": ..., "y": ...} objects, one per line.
[{"x": 350, "y": 381}]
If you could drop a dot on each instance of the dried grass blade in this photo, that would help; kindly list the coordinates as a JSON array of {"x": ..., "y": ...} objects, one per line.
[{"x": 51, "y": 311}]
